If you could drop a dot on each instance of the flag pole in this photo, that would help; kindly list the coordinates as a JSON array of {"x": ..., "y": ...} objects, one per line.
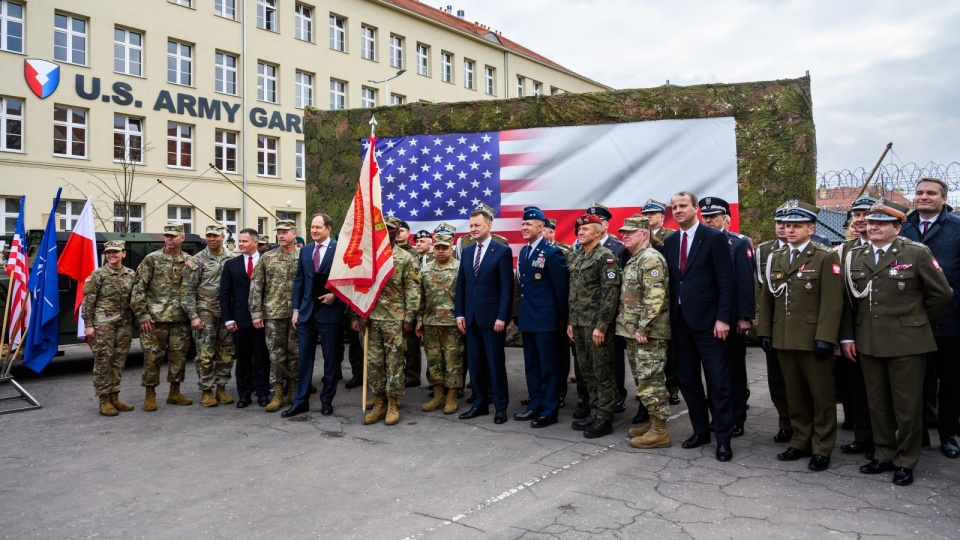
[
  {"x": 12, "y": 355},
  {"x": 363, "y": 393},
  {"x": 177, "y": 193},
  {"x": 236, "y": 185}
]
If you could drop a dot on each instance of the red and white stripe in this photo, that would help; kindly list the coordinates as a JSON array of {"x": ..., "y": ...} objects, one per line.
[
  {"x": 79, "y": 258},
  {"x": 19, "y": 293}
]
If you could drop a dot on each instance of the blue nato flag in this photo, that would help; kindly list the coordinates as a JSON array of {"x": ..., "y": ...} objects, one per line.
[{"x": 44, "y": 312}]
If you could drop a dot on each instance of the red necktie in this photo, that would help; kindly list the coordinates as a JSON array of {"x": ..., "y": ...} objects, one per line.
[
  {"x": 249, "y": 267},
  {"x": 683, "y": 252},
  {"x": 926, "y": 225}
]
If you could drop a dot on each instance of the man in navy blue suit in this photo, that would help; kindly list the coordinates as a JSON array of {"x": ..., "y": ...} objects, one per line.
[
  {"x": 543, "y": 288},
  {"x": 701, "y": 304},
  {"x": 316, "y": 311},
  {"x": 253, "y": 360},
  {"x": 482, "y": 306}
]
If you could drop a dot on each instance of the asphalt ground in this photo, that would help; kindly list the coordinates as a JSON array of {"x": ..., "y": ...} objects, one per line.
[{"x": 195, "y": 472}]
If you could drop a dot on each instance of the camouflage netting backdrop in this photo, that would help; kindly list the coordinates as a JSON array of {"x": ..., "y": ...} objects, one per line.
[{"x": 776, "y": 141}]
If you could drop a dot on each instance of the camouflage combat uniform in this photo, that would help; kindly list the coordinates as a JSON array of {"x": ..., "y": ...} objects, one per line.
[
  {"x": 200, "y": 298},
  {"x": 156, "y": 295},
  {"x": 594, "y": 297},
  {"x": 106, "y": 309},
  {"x": 645, "y": 308},
  {"x": 442, "y": 340},
  {"x": 271, "y": 299},
  {"x": 398, "y": 303}
]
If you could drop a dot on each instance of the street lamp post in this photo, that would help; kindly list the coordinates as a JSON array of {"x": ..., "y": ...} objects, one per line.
[{"x": 386, "y": 83}]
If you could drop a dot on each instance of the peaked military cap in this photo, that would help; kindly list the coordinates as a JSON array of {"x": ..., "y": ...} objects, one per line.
[
  {"x": 886, "y": 210},
  {"x": 711, "y": 206},
  {"x": 653, "y": 205},
  {"x": 863, "y": 203},
  {"x": 798, "y": 212},
  {"x": 422, "y": 234},
  {"x": 445, "y": 227},
  {"x": 486, "y": 209},
  {"x": 597, "y": 209}
]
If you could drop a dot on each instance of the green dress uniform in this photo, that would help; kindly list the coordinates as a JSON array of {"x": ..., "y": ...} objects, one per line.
[
  {"x": 200, "y": 298},
  {"x": 892, "y": 309},
  {"x": 856, "y": 408},
  {"x": 106, "y": 309},
  {"x": 775, "y": 382}
]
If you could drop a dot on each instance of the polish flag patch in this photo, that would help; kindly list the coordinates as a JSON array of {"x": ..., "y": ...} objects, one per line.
[
  {"x": 749, "y": 253},
  {"x": 935, "y": 263},
  {"x": 836, "y": 269}
]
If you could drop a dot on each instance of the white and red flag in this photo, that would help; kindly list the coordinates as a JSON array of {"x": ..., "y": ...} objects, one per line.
[
  {"x": 19, "y": 272},
  {"x": 364, "y": 259},
  {"x": 79, "y": 258}
]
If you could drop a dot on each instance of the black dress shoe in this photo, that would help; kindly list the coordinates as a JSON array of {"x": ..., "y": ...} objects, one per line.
[
  {"x": 782, "y": 436},
  {"x": 543, "y": 421},
  {"x": 598, "y": 429},
  {"x": 526, "y": 415},
  {"x": 903, "y": 476},
  {"x": 737, "y": 430},
  {"x": 474, "y": 412},
  {"x": 354, "y": 382},
  {"x": 620, "y": 407},
  {"x": 500, "y": 417},
  {"x": 584, "y": 423},
  {"x": 459, "y": 393},
  {"x": 326, "y": 409},
  {"x": 819, "y": 463},
  {"x": 313, "y": 389},
  {"x": 696, "y": 440},
  {"x": 582, "y": 412},
  {"x": 263, "y": 401},
  {"x": 674, "y": 398},
  {"x": 948, "y": 445},
  {"x": 792, "y": 454},
  {"x": 876, "y": 467},
  {"x": 295, "y": 410},
  {"x": 561, "y": 403},
  {"x": 856, "y": 447},
  {"x": 724, "y": 452},
  {"x": 243, "y": 402},
  {"x": 925, "y": 438},
  {"x": 525, "y": 401},
  {"x": 411, "y": 384},
  {"x": 642, "y": 416}
]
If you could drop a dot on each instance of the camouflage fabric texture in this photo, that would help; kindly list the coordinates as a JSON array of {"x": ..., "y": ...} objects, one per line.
[
  {"x": 645, "y": 296},
  {"x": 282, "y": 345},
  {"x": 594, "y": 288},
  {"x": 596, "y": 371},
  {"x": 106, "y": 309},
  {"x": 400, "y": 297},
  {"x": 168, "y": 341},
  {"x": 385, "y": 358},
  {"x": 200, "y": 290},
  {"x": 444, "y": 348},
  {"x": 271, "y": 288},
  {"x": 438, "y": 285},
  {"x": 647, "y": 361},
  {"x": 156, "y": 291},
  {"x": 214, "y": 352},
  {"x": 110, "y": 347}
]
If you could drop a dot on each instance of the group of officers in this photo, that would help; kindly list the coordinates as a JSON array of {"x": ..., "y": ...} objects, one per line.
[{"x": 675, "y": 304}]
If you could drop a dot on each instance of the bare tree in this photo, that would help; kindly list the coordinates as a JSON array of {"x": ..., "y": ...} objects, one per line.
[{"x": 114, "y": 205}]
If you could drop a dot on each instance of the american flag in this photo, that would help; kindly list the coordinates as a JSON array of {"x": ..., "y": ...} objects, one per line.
[
  {"x": 19, "y": 274},
  {"x": 429, "y": 179}
]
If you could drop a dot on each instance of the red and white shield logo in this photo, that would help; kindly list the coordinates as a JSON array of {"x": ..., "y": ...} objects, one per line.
[{"x": 42, "y": 76}]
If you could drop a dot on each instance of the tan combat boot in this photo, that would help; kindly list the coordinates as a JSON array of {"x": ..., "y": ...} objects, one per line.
[
  {"x": 277, "y": 400},
  {"x": 393, "y": 411},
  {"x": 222, "y": 395},
  {"x": 371, "y": 403},
  {"x": 119, "y": 405},
  {"x": 175, "y": 397},
  {"x": 452, "y": 403},
  {"x": 106, "y": 408},
  {"x": 207, "y": 399},
  {"x": 291, "y": 389},
  {"x": 439, "y": 397},
  {"x": 639, "y": 431},
  {"x": 656, "y": 437},
  {"x": 379, "y": 411},
  {"x": 150, "y": 402}
]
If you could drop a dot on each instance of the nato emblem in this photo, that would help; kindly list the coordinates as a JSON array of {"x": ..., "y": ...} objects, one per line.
[{"x": 42, "y": 76}]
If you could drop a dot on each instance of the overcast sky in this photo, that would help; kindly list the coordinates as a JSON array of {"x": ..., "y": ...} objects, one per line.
[{"x": 881, "y": 71}]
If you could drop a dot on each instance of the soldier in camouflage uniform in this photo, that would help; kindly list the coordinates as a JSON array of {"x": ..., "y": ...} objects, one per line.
[
  {"x": 106, "y": 316},
  {"x": 271, "y": 306},
  {"x": 200, "y": 298},
  {"x": 392, "y": 317},
  {"x": 437, "y": 326},
  {"x": 644, "y": 321},
  {"x": 594, "y": 297},
  {"x": 164, "y": 327}
]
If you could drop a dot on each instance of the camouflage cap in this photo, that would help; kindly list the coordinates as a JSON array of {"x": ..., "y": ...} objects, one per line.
[
  {"x": 392, "y": 222},
  {"x": 285, "y": 225},
  {"x": 263, "y": 240},
  {"x": 635, "y": 223},
  {"x": 443, "y": 240},
  {"x": 215, "y": 229},
  {"x": 173, "y": 229},
  {"x": 113, "y": 245}
]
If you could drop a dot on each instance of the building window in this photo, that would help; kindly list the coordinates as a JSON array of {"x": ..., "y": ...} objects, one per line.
[
  {"x": 368, "y": 43},
  {"x": 292, "y": 216},
  {"x": 127, "y": 52},
  {"x": 225, "y": 151},
  {"x": 228, "y": 218},
  {"x": 468, "y": 66},
  {"x": 266, "y": 82},
  {"x": 520, "y": 82},
  {"x": 179, "y": 63},
  {"x": 69, "y": 132},
  {"x": 11, "y": 28},
  {"x": 554, "y": 90},
  {"x": 266, "y": 156},
  {"x": 299, "y": 171},
  {"x": 182, "y": 215},
  {"x": 537, "y": 88},
  {"x": 11, "y": 124},
  {"x": 446, "y": 67},
  {"x": 69, "y": 213},
  {"x": 423, "y": 60},
  {"x": 225, "y": 69},
  {"x": 303, "y": 23},
  {"x": 179, "y": 145},
  {"x": 304, "y": 90},
  {"x": 338, "y": 94},
  {"x": 9, "y": 212},
  {"x": 397, "y": 99},
  {"x": 262, "y": 226},
  {"x": 184, "y": 3},
  {"x": 489, "y": 80},
  {"x": 225, "y": 8},
  {"x": 368, "y": 97},
  {"x": 70, "y": 39},
  {"x": 127, "y": 139},
  {"x": 338, "y": 33},
  {"x": 267, "y": 15},
  {"x": 133, "y": 213},
  {"x": 396, "y": 52}
]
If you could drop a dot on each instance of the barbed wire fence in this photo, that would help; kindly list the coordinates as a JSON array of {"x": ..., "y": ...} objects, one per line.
[{"x": 901, "y": 178}]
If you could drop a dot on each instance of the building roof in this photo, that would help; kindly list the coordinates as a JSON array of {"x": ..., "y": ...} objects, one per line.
[
  {"x": 440, "y": 15},
  {"x": 840, "y": 198}
]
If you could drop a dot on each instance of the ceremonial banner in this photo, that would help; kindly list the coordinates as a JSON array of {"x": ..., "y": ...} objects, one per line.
[
  {"x": 42, "y": 339},
  {"x": 79, "y": 258},
  {"x": 19, "y": 273}
]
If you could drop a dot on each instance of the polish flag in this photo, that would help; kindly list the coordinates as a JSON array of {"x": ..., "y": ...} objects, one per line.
[{"x": 79, "y": 258}]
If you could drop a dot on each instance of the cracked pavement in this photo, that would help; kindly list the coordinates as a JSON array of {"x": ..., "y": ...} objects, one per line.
[{"x": 68, "y": 472}]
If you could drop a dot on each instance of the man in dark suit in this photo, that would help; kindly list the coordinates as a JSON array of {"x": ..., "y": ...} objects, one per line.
[
  {"x": 253, "y": 362},
  {"x": 316, "y": 312},
  {"x": 543, "y": 286},
  {"x": 482, "y": 306},
  {"x": 701, "y": 304}
]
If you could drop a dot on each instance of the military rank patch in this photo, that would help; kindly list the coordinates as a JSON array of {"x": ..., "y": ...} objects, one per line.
[
  {"x": 935, "y": 263},
  {"x": 611, "y": 275},
  {"x": 835, "y": 269}
]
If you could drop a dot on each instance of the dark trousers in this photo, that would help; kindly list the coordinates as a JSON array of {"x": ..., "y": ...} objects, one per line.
[
  {"x": 670, "y": 369},
  {"x": 540, "y": 367},
  {"x": 355, "y": 340},
  {"x": 853, "y": 394},
  {"x": 619, "y": 366},
  {"x": 330, "y": 335},
  {"x": 487, "y": 365},
  {"x": 413, "y": 359},
  {"x": 735, "y": 354},
  {"x": 253, "y": 362},
  {"x": 947, "y": 365},
  {"x": 696, "y": 351},
  {"x": 778, "y": 391}
]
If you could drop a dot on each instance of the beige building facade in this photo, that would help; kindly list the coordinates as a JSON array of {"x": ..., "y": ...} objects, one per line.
[{"x": 151, "y": 93}]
